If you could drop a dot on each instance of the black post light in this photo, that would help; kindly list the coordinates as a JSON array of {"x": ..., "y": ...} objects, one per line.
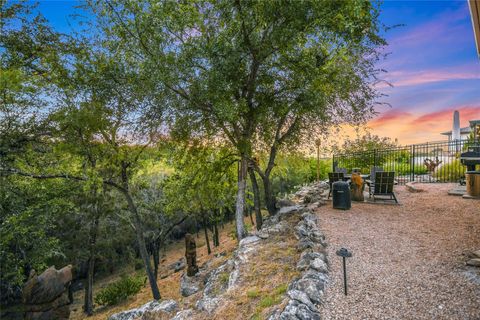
[{"x": 344, "y": 253}]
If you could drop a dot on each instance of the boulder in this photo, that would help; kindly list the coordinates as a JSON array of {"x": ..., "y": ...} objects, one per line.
[
  {"x": 48, "y": 286},
  {"x": 46, "y": 296}
]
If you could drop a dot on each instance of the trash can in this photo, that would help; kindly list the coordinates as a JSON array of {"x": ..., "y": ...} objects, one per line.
[
  {"x": 473, "y": 183},
  {"x": 341, "y": 195}
]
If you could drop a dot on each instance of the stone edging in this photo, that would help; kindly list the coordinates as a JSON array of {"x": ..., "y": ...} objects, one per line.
[{"x": 306, "y": 292}]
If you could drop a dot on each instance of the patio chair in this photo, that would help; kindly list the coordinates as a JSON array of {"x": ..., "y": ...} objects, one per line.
[
  {"x": 383, "y": 185},
  {"x": 334, "y": 177},
  {"x": 371, "y": 179},
  {"x": 341, "y": 170}
]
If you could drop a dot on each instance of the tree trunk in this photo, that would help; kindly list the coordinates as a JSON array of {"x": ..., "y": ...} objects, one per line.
[
  {"x": 198, "y": 229},
  {"x": 251, "y": 217},
  {"x": 240, "y": 204},
  {"x": 209, "y": 250},
  {"x": 156, "y": 256},
  {"x": 256, "y": 199},
  {"x": 217, "y": 238},
  {"x": 142, "y": 246},
  {"x": 88, "y": 304},
  {"x": 270, "y": 200}
]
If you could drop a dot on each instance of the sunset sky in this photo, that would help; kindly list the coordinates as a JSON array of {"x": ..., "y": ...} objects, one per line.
[{"x": 433, "y": 67}]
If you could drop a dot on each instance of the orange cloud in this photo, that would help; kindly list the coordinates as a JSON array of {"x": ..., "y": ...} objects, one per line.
[{"x": 388, "y": 117}]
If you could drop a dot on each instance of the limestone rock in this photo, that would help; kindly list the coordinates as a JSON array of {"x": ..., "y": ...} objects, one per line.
[
  {"x": 312, "y": 287},
  {"x": 183, "y": 315},
  {"x": 208, "y": 304},
  {"x": 189, "y": 285},
  {"x": 474, "y": 262},
  {"x": 284, "y": 203},
  {"x": 476, "y": 254},
  {"x": 48, "y": 286},
  {"x": 148, "y": 311},
  {"x": 178, "y": 265},
  {"x": 46, "y": 296},
  {"x": 262, "y": 235},
  {"x": 302, "y": 298}
]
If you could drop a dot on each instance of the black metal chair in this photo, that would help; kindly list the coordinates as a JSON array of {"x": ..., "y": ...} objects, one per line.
[
  {"x": 334, "y": 177},
  {"x": 371, "y": 179},
  {"x": 383, "y": 185},
  {"x": 341, "y": 170}
]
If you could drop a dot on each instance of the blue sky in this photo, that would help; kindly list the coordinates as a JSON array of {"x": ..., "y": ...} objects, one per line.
[{"x": 433, "y": 66}]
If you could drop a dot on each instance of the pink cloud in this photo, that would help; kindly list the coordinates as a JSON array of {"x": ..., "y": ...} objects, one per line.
[
  {"x": 412, "y": 78},
  {"x": 444, "y": 118},
  {"x": 417, "y": 128},
  {"x": 389, "y": 116}
]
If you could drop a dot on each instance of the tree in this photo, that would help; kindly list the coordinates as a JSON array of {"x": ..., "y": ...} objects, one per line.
[
  {"x": 96, "y": 97},
  {"x": 202, "y": 184},
  {"x": 365, "y": 142},
  {"x": 255, "y": 74}
]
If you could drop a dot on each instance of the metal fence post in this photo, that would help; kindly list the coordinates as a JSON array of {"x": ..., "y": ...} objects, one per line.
[
  {"x": 374, "y": 157},
  {"x": 413, "y": 162}
]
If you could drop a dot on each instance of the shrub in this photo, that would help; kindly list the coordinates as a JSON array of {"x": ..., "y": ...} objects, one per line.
[
  {"x": 404, "y": 168},
  {"x": 450, "y": 172},
  {"x": 120, "y": 290}
]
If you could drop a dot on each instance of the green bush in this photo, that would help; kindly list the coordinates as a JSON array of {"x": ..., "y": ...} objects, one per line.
[
  {"x": 402, "y": 168},
  {"x": 120, "y": 290},
  {"x": 450, "y": 172}
]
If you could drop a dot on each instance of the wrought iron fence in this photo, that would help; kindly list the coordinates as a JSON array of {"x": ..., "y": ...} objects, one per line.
[{"x": 425, "y": 162}]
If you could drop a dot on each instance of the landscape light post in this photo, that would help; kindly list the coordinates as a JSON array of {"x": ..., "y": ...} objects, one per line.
[
  {"x": 344, "y": 253},
  {"x": 318, "y": 142}
]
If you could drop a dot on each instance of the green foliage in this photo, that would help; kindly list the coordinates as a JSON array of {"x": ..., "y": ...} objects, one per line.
[
  {"x": 281, "y": 289},
  {"x": 292, "y": 170},
  {"x": 404, "y": 168},
  {"x": 29, "y": 237},
  {"x": 120, "y": 290},
  {"x": 449, "y": 172}
]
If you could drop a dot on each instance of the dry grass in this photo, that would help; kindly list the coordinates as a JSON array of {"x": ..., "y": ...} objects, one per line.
[
  {"x": 263, "y": 285},
  {"x": 169, "y": 286}
]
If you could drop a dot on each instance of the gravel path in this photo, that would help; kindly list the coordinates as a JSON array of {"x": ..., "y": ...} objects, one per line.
[{"x": 408, "y": 260}]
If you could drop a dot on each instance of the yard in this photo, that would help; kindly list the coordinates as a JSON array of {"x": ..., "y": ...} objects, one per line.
[{"x": 408, "y": 260}]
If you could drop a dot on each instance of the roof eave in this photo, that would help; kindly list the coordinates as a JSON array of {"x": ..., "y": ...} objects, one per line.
[{"x": 474, "y": 6}]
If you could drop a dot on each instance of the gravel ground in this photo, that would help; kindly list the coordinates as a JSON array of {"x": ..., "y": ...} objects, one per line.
[{"x": 408, "y": 260}]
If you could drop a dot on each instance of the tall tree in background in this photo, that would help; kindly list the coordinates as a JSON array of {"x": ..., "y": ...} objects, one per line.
[{"x": 257, "y": 74}]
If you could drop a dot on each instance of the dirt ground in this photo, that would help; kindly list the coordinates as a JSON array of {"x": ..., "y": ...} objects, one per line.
[{"x": 408, "y": 260}]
